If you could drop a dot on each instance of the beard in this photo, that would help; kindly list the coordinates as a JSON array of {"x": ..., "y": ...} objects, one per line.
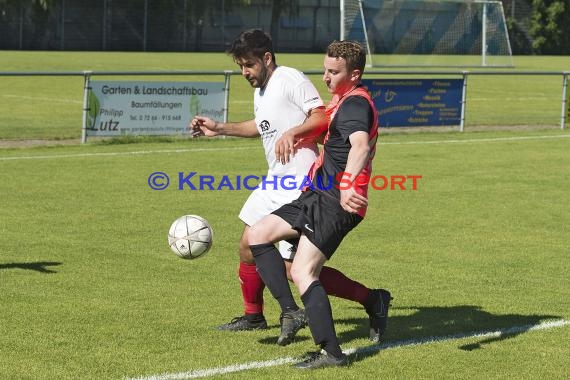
[{"x": 263, "y": 77}]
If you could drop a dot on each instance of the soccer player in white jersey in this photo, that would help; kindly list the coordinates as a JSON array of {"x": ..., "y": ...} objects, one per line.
[{"x": 287, "y": 109}]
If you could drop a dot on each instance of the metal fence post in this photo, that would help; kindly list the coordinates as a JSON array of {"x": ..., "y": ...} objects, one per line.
[
  {"x": 227, "y": 75},
  {"x": 565, "y": 108},
  {"x": 463, "y": 101},
  {"x": 86, "y": 107}
]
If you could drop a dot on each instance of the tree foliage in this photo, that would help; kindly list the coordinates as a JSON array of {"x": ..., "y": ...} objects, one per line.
[
  {"x": 549, "y": 22},
  {"x": 550, "y": 27}
]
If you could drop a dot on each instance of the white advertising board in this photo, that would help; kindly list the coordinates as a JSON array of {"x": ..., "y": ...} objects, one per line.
[{"x": 119, "y": 108}]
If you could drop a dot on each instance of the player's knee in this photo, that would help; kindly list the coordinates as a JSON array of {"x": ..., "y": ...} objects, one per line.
[{"x": 256, "y": 236}]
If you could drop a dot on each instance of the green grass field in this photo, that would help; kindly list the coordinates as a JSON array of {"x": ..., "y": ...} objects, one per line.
[
  {"x": 90, "y": 289},
  {"x": 48, "y": 107}
]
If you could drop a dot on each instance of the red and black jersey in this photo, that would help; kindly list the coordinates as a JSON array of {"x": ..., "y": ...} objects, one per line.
[{"x": 352, "y": 113}]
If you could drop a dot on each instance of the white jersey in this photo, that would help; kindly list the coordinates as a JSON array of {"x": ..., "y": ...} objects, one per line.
[{"x": 285, "y": 103}]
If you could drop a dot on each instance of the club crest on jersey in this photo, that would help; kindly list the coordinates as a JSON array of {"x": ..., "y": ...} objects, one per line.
[{"x": 264, "y": 125}]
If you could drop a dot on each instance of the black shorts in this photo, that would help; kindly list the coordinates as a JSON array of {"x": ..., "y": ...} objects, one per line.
[{"x": 321, "y": 218}]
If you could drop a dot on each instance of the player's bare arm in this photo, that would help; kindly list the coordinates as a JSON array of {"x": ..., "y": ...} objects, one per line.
[
  {"x": 204, "y": 126},
  {"x": 313, "y": 127},
  {"x": 358, "y": 156}
]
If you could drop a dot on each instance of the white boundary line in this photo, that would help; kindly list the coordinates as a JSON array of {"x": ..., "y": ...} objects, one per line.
[
  {"x": 356, "y": 351},
  {"x": 132, "y": 153},
  {"x": 57, "y": 100},
  {"x": 114, "y": 154},
  {"x": 492, "y": 139}
]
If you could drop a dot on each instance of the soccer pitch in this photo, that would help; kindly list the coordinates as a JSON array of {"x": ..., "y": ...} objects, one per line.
[{"x": 476, "y": 258}]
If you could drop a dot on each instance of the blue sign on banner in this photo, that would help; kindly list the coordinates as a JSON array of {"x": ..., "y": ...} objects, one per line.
[{"x": 416, "y": 102}]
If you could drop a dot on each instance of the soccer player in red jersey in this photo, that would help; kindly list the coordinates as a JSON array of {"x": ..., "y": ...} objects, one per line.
[{"x": 322, "y": 218}]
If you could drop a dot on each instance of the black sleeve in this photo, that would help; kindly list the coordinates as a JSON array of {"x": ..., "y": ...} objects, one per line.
[{"x": 353, "y": 115}]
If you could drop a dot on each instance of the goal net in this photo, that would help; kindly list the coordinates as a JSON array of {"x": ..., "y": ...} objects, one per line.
[{"x": 428, "y": 32}]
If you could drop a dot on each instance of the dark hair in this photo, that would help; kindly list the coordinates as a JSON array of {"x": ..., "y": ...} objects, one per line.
[
  {"x": 252, "y": 42},
  {"x": 353, "y": 53}
]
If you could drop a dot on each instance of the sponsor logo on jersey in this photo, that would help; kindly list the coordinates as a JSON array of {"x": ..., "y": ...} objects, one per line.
[
  {"x": 264, "y": 126},
  {"x": 312, "y": 99}
]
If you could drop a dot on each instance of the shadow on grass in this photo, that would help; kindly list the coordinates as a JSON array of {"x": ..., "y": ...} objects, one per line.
[
  {"x": 428, "y": 324},
  {"x": 39, "y": 266},
  {"x": 272, "y": 340}
]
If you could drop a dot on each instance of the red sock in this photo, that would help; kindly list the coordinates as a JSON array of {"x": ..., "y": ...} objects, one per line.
[
  {"x": 338, "y": 285},
  {"x": 251, "y": 288}
]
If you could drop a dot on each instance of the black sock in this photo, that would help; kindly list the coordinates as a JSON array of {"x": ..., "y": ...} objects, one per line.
[
  {"x": 271, "y": 268},
  {"x": 370, "y": 300},
  {"x": 319, "y": 314},
  {"x": 256, "y": 317}
]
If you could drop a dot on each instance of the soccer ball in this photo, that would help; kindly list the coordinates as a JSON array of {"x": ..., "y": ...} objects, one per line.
[{"x": 190, "y": 236}]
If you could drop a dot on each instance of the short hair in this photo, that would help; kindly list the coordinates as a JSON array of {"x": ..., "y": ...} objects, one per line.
[
  {"x": 252, "y": 42},
  {"x": 353, "y": 53}
]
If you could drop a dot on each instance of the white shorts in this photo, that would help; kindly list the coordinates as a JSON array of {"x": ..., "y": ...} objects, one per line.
[{"x": 263, "y": 202}]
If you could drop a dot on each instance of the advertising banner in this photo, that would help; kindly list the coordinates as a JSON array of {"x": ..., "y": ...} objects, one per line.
[
  {"x": 150, "y": 108},
  {"x": 416, "y": 102}
]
